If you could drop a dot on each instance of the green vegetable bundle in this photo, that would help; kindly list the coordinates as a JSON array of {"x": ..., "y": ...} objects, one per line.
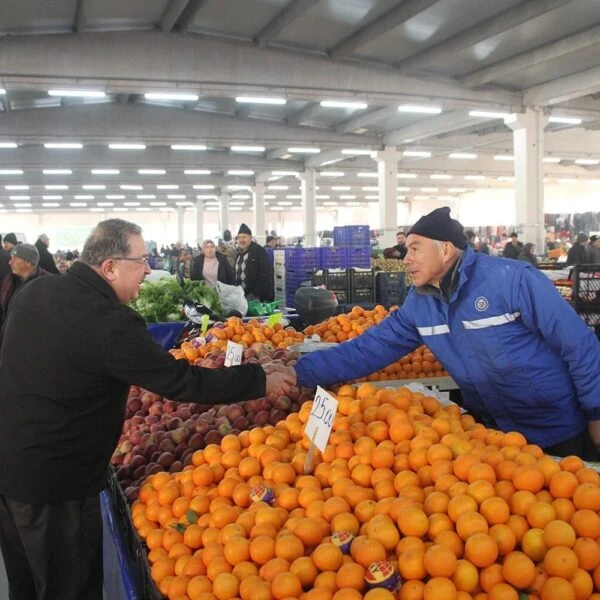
[{"x": 162, "y": 301}]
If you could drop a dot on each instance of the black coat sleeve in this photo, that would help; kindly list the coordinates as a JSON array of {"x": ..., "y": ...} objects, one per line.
[
  {"x": 196, "y": 268},
  {"x": 266, "y": 286},
  {"x": 226, "y": 274},
  {"x": 47, "y": 262},
  {"x": 136, "y": 359}
]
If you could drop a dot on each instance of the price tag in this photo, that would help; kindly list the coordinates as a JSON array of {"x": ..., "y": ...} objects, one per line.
[
  {"x": 321, "y": 418},
  {"x": 233, "y": 355},
  {"x": 204, "y": 324}
]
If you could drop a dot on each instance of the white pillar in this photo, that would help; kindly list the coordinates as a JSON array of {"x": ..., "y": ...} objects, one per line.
[
  {"x": 387, "y": 171},
  {"x": 258, "y": 204},
  {"x": 309, "y": 204},
  {"x": 199, "y": 221},
  {"x": 224, "y": 221},
  {"x": 528, "y": 141},
  {"x": 180, "y": 211}
]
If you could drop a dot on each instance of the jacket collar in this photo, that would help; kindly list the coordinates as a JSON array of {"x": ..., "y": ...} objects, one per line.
[{"x": 87, "y": 274}]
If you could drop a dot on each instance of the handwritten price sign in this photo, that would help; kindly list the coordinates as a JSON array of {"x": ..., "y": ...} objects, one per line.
[
  {"x": 233, "y": 355},
  {"x": 321, "y": 418}
]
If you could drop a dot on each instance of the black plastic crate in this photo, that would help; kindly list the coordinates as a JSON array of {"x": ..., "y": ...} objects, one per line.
[
  {"x": 361, "y": 278},
  {"x": 390, "y": 288},
  {"x": 586, "y": 288},
  {"x": 318, "y": 278},
  {"x": 343, "y": 297},
  {"x": 360, "y": 296},
  {"x": 336, "y": 280}
]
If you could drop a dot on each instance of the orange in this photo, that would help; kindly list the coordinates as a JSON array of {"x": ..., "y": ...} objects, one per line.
[
  {"x": 495, "y": 510},
  {"x": 225, "y": 586},
  {"x": 411, "y": 565},
  {"x": 198, "y": 585},
  {"x": 351, "y": 575},
  {"x": 563, "y": 484},
  {"x": 161, "y": 568},
  {"x": 582, "y": 584},
  {"x": 326, "y": 580},
  {"x": 440, "y": 561},
  {"x": 309, "y": 531},
  {"x": 289, "y": 547},
  {"x": 452, "y": 540},
  {"x": 334, "y": 506},
  {"x": 412, "y": 590},
  {"x": 304, "y": 568},
  {"x": 383, "y": 529},
  {"x": 586, "y": 523},
  {"x": 347, "y": 594},
  {"x": 273, "y": 567},
  {"x": 586, "y": 495},
  {"x": 505, "y": 538},
  {"x": 529, "y": 478},
  {"x": 521, "y": 501},
  {"x": 346, "y": 521},
  {"x": 286, "y": 585},
  {"x": 560, "y": 561},
  {"x": 539, "y": 514},
  {"x": 490, "y": 576},
  {"x": 557, "y": 588},
  {"x": 459, "y": 505},
  {"x": 471, "y": 523},
  {"x": 571, "y": 463},
  {"x": 588, "y": 553},
  {"x": 237, "y": 550},
  {"x": 262, "y": 549},
  {"x": 379, "y": 594},
  {"x": 502, "y": 591},
  {"x": 518, "y": 570},
  {"x": 466, "y": 576},
  {"x": 481, "y": 550},
  {"x": 365, "y": 551},
  {"x": 559, "y": 533},
  {"x": 533, "y": 545},
  {"x": 440, "y": 588},
  {"x": 413, "y": 521},
  {"x": 327, "y": 557}
]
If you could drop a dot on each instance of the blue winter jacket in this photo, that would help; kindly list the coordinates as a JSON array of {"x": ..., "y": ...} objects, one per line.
[{"x": 522, "y": 357}]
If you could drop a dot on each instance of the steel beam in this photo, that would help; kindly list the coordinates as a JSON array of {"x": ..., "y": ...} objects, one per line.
[
  {"x": 189, "y": 15},
  {"x": 371, "y": 117},
  {"x": 80, "y": 16},
  {"x": 563, "y": 89},
  {"x": 281, "y": 20},
  {"x": 171, "y": 14}
]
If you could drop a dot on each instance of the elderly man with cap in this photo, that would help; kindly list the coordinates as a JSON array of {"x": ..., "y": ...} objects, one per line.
[
  {"x": 10, "y": 241},
  {"x": 24, "y": 266},
  {"x": 252, "y": 268},
  {"x": 46, "y": 261},
  {"x": 523, "y": 359}
]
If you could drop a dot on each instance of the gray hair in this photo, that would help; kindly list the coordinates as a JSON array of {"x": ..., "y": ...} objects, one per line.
[
  {"x": 207, "y": 242},
  {"x": 439, "y": 244},
  {"x": 108, "y": 239}
]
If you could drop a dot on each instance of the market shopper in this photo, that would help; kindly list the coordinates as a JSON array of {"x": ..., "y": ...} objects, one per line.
[
  {"x": 513, "y": 247},
  {"x": 521, "y": 356},
  {"x": 9, "y": 242},
  {"x": 211, "y": 266},
  {"x": 72, "y": 349},
  {"x": 593, "y": 250},
  {"x": 252, "y": 268},
  {"x": 528, "y": 254},
  {"x": 4, "y": 259},
  {"x": 399, "y": 250},
  {"x": 46, "y": 260},
  {"x": 578, "y": 251}
]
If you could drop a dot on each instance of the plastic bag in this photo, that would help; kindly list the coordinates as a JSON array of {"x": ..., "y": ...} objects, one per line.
[
  {"x": 262, "y": 309},
  {"x": 232, "y": 298}
]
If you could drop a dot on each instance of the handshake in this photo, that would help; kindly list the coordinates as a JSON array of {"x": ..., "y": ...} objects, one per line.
[{"x": 279, "y": 379}]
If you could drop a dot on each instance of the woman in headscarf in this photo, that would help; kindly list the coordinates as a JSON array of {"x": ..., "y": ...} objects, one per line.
[{"x": 211, "y": 266}]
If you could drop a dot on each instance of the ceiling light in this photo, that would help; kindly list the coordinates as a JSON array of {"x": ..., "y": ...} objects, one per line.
[
  {"x": 131, "y": 203},
  {"x": 330, "y": 203},
  {"x": 356, "y": 105},
  {"x": 278, "y": 187},
  {"x": 551, "y": 159},
  {"x": 2, "y": 91},
  {"x": 145, "y": 196},
  {"x": 567, "y": 180},
  {"x": 83, "y": 197},
  {"x": 276, "y": 208},
  {"x": 506, "y": 178},
  {"x": 204, "y": 186},
  {"x": 340, "y": 188},
  {"x": 371, "y": 197},
  {"x": 241, "y": 172},
  {"x": 131, "y": 187},
  {"x": 347, "y": 197},
  {"x": 486, "y": 114},
  {"x": 238, "y": 187},
  {"x": 237, "y": 203},
  {"x": 284, "y": 203},
  {"x": 115, "y": 196},
  {"x": 269, "y": 196},
  {"x": 506, "y": 157},
  {"x": 143, "y": 209},
  {"x": 406, "y": 175},
  {"x": 294, "y": 196},
  {"x": 370, "y": 188},
  {"x": 167, "y": 186},
  {"x": 105, "y": 172},
  {"x": 151, "y": 172},
  {"x": 63, "y": 145},
  {"x": 57, "y": 172},
  {"x": 191, "y": 147},
  {"x": 96, "y": 209},
  {"x": 77, "y": 93},
  {"x": 259, "y": 100},
  {"x": 16, "y": 187},
  {"x": 440, "y": 176},
  {"x": 331, "y": 173},
  {"x": 127, "y": 146},
  {"x": 176, "y": 196},
  {"x": 11, "y": 172},
  {"x": 417, "y": 153},
  {"x": 356, "y": 151},
  {"x": 322, "y": 197},
  {"x": 183, "y": 204},
  {"x": 23, "y": 210},
  {"x": 457, "y": 190},
  {"x": 427, "y": 110},
  {"x": 205, "y": 197},
  {"x": 50, "y": 204},
  {"x": 247, "y": 148},
  {"x": 20, "y": 197},
  {"x": 464, "y": 155},
  {"x": 158, "y": 203},
  {"x": 197, "y": 172},
  {"x": 430, "y": 189},
  {"x": 352, "y": 203},
  {"x": 119, "y": 209},
  {"x": 565, "y": 120},
  {"x": 93, "y": 187},
  {"x": 367, "y": 175},
  {"x": 78, "y": 204},
  {"x": 421, "y": 197},
  {"x": 56, "y": 187},
  {"x": 587, "y": 161},
  {"x": 52, "y": 197},
  {"x": 402, "y": 189},
  {"x": 303, "y": 150},
  {"x": 8, "y": 145},
  {"x": 182, "y": 97},
  {"x": 474, "y": 177},
  {"x": 104, "y": 204}
]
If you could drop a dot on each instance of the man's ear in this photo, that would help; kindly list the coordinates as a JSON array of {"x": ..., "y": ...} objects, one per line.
[{"x": 107, "y": 269}]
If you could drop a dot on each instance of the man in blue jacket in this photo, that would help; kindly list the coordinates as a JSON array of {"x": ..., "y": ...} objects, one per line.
[{"x": 523, "y": 359}]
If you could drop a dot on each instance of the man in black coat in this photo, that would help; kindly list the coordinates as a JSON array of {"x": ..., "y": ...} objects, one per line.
[
  {"x": 4, "y": 258},
  {"x": 514, "y": 247},
  {"x": 578, "y": 253},
  {"x": 252, "y": 268},
  {"x": 71, "y": 350},
  {"x": 46, "y": 260}
]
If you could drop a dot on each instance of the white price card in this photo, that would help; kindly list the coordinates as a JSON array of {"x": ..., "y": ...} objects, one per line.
[
  {"x": 233, "y": 354},
  {"x": 318, "y": 427}
]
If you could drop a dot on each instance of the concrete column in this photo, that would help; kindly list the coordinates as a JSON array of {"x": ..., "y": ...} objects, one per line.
[
  {"x": 180, "y": 212},
  {"x": 258, "y": 205},
  {"x": 199, "y": 221},
  {"x": 224, "y": 220},
  {"x": 309, "y": 204},
  {"x": 387, "y": 170},
  {"x": 528, "y": 142}
]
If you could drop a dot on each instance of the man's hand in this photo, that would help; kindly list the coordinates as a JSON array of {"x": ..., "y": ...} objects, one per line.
[
  {"x": 274, "y": 366},
  {"x": 594, "y": 429},
  {"x": 279, "y": 382}
]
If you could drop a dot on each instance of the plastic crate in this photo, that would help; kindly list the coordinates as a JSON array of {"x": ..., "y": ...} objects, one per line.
[
  {"x": 270, "y": 255},
  {"x": 390, "y": 288},
  {"x": 295, "y": 278},
  {"x": 361, "y": 278},
  {"x": 318, "y": 278},
  {"x": 343, "y": 297},
  {"x": 352, "y": 235},
  {"x": 332, "y": 257},
  {"x": 303, "y": 258},
  {"x": 586, "y": 288},
  {"x": 357, "y": 256},
  {"x": 336, "y": 280},
  {"x": 359, "y": 296}
]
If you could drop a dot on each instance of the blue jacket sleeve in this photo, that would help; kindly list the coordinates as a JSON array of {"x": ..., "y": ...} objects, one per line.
[
  {"x": 545, "y": 311},
  {"x": 375, "y": 349}
]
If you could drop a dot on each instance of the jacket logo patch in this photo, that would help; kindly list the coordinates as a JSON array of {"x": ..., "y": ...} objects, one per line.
[{"x": 481, "y": 304}]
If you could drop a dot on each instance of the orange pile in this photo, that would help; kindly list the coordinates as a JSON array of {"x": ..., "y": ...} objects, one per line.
[
  {"x": 242, "y": 333},
  {"x": 463, "y": 512}
]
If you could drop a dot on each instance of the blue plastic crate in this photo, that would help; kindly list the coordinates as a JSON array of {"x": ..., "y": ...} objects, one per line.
[
  {"x": 352, "y": 235},
  {"x": 270, "y": 255},
  {"x": 332, "y": 257},
  {"x": 357, "y": 256},
  {"x": 303, "y": 258}
]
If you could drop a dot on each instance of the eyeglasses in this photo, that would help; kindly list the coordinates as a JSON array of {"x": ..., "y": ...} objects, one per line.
[{"x": 142, "y": 260}]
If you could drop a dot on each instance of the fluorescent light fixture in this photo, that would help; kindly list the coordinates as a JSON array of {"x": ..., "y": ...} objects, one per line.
[
  {"x": 77, "y": 204},
  {"x": 131, "y": 203},
  {"x": 406, "y": 175},
  {"x": 285, "y": 203},
  {"x": 83, "y": 197},
  {"x": 119, "y": 209},
  {"x": 16, "y": 187},
  {"x": 506, "y": 178},
  {"x": 23, "y": 210},
  {"x": 6, "y": 145},
  {"x": 237, "y": 203},
  {"x": 506, "y": 157},
  {"x": 181, "y": 96},
  {"x": 176, "y": 196},
  {"x": 430, "y": 189},
  {"x": 457, "y": 190},
  {"x": 128, "y": 186},
  {"x": 551, "y": 159},
  {"x": 487, "y": 114},
  {"x": 2, "y": 91},
  {"x": 278, "y": 187},
  {"x": 167, "y": 186},
  {"x": 115, "y": 196},
  {"x": 20, "y": 197},
  {"x": 421, "y": 197},
  {"x": 238, "y": 187},
  {"x": 474, "y": 177},
  {"x": 426, "y": 110},
  {"x": 417, "y": 154},
  {"x": 370, "y": 188},
  {"x": 206, "y": 197},
  {"x": 183, "y": 204},
  {"x": 296, "y": 208},
  {"x": 294, "y": 196},
  {"x": 303, "y": 150},
  {"x": 93, "y": 186},
  {"x": 143, "y": 209},
  {"x": 463, "y": 155},
  {"x": 331, "y": 173},
  {"x": 276, "y": 208},
  {"x": 11, "y": 172},
  {"x": 400, "y": 197},
  {"x": 356, "y": 152},
  {"x": 50, "y": 204},
  {"x": 190, "y": 147},
  {"x": 241, "y": 172},
  {"x": 269, "y": 196},
  {"x": 52, "y": 197},
  {"x": 203, "y": 186},
  {"x": 260, "y": 100},
  {"x": 105, "y": 204},
  {"x": 367, "y": 175},
  {"x": 63, "y": 145},
  {"x": 355, "y": 105},
  {"x": 402, "y": 189},
  {"x": 371, "y": 197},
  {"x": 127, "y": 146},
  {"x": 352, "y": 203},
  {"x": 197, "y": 172},
  {"x": 145, "y": 196},
  {"x": 158, "y": 203},
  {"x": 247, "y": 148},
  {"x": 440, "y": 176},
  {"x": 105, "y": 172},
  {"x": 77, "y": 93},
  {"x": 567, "y": 180},
  {"x": 57, "y": 172},
  {"x": 330, "y": 203},
  {"x": 285, "y": 173},
  {"x": 152, "y": 172},
  {"x": 565, "y": 120},
  {"x": 587, "y": 161},
  {"x": 56, "y": 187},
  {"x": 332, "y": 161},
  {"x": 96, "y": 209},
  {"x": 322, "y": 197},
  {"x": 348, "y": 197},
  {"x": 340, "y": 188},
  {"x": 241, "y": 196}
]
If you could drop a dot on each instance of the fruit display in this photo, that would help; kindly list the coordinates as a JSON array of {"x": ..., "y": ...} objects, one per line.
[
  {"x": 407, "y": 493},
  {"x": 388, "y": 264}
]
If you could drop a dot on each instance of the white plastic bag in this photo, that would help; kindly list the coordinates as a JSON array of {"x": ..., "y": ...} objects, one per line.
[{"x": 232, "y": 298}]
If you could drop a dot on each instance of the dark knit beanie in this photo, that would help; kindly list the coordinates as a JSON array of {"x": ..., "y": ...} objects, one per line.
[
  {"x": 244, "y": 229},
  {"x": 11, "y": 238},
  {"x": 438, "y": 225},
  {"x": 26, "y": 252}
]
